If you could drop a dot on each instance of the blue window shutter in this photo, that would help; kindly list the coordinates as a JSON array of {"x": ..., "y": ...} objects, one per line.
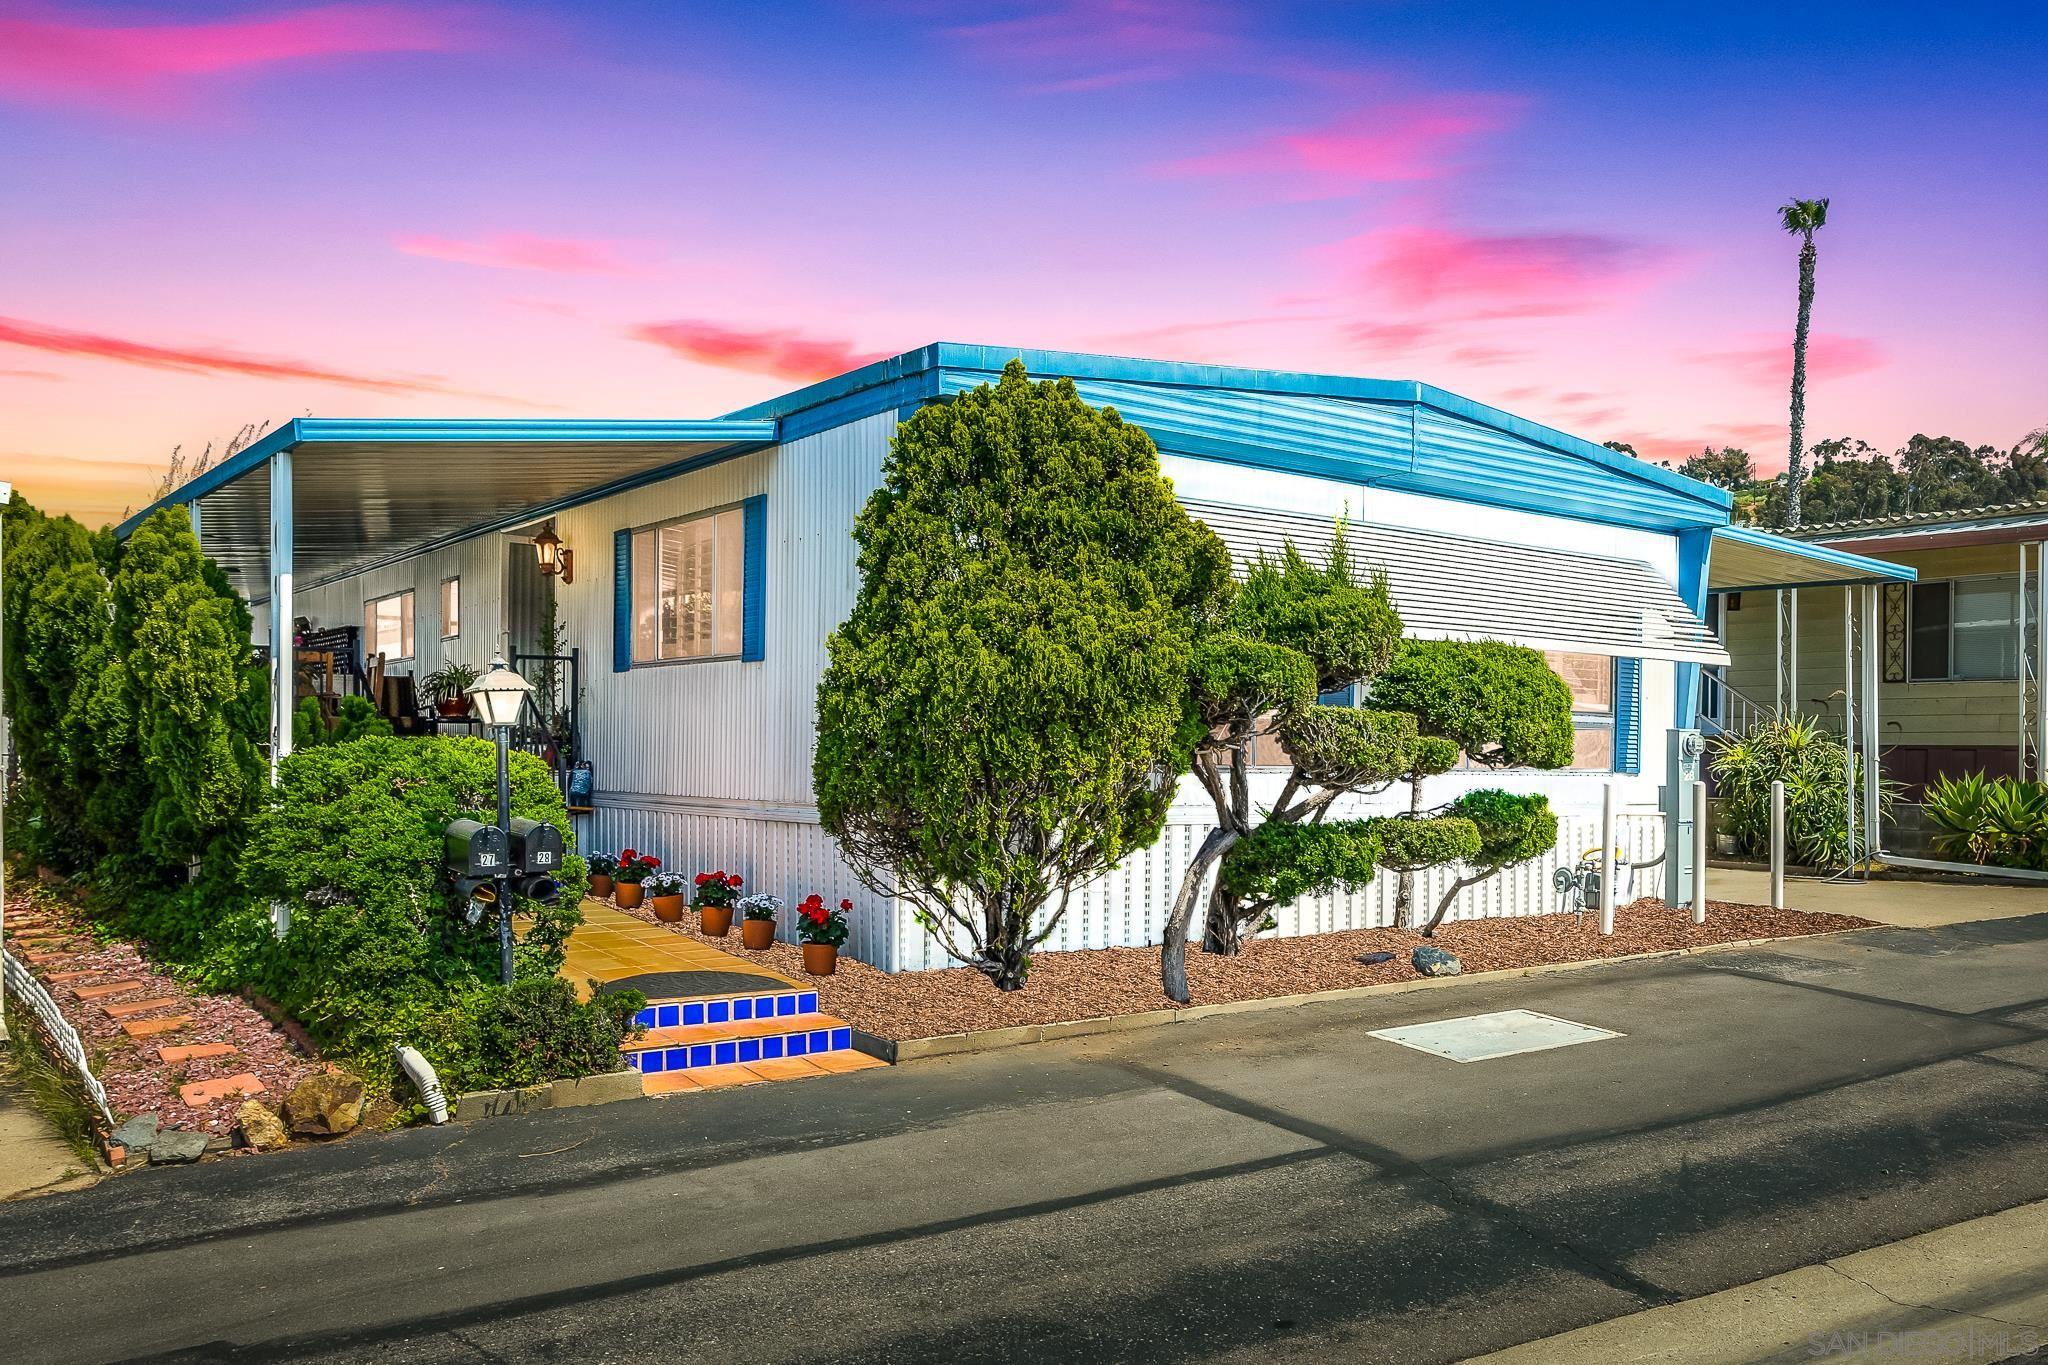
[
  {"x": 754, "y": 579},
  {"x": 622, "y": 601},
  {"x": 1628, "y": 708}
]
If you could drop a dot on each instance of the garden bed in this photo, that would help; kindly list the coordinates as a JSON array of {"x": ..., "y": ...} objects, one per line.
[
  {"x": 137, "y": 1080},
  {"x": 1094, "y": 982}
]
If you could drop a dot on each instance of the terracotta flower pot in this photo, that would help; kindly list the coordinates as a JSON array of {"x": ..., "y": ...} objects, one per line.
[
  {"x": 821, "y": 959},
  {"x": 757, "y": 933},
  {"x": 669, "y": 909},
  {"x": 628, "y": 894},
  {"x": 600, "y": 886},
  {"x": 716, "y": 920},
  {"x": 453, "y": 708}
]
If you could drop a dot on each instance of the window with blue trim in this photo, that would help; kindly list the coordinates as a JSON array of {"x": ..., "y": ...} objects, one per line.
[
  {"x": 688, "y": 588},
  {"x": 1592, "y": 679}
]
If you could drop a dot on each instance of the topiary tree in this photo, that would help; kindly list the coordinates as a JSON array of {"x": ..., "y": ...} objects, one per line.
[
  {"x": 185, "y": 673},
  {"x": 55, "y": 619},
  {"x": 1292, "y": 630},
  {"x": 1003, "y": 715},
  {"x": 1502, "y": 707}
]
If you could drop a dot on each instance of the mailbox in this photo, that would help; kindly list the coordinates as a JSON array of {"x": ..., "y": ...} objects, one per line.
[
  {"x": 474, "y": 854},
  {"x": 537, "y": 852}
]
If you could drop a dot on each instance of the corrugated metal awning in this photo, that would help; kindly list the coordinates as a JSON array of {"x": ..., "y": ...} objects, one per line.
[
  {"x": 1458, "y": 587},
  {"x": 1744, "y": 557},
  {"x": 368, "y": 492}
]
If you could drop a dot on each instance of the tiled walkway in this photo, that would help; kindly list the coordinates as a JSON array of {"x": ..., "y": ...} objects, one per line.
[
  {"x": 611, "y": 945},
  {"x": 770, "y": 1031}
]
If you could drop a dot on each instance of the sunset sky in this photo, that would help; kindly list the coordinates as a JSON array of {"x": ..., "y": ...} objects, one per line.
[{"x": 218, "y": 214}]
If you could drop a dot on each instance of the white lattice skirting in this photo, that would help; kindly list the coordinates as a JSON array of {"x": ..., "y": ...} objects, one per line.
[{"x": 24, "y": 991}]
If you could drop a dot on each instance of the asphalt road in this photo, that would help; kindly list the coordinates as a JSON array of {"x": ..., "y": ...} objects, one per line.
[{"x": 1251, "y": 1187}]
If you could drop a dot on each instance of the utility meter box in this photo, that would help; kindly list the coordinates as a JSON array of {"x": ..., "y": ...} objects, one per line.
[{"x": 1685, "y": 764}]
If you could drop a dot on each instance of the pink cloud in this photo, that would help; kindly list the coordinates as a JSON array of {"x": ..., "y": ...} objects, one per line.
[
  {"x": 1468, "y": 276},
  {"x": 198, "y": 360},
  {"x": 1768, "y": 360},
  {"x": 1389, "y": 338},
  {"x": 1488, "y": 355},
  {"x": 782, "y": 352},
  {"x": 1414, "y": 140},
  {"x": 522, "y": 251},
  {"x": 52, "y": 56}
]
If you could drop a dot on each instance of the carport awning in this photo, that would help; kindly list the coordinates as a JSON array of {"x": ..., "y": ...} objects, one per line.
[
  {"x": 366, "y": 492},
  {"x": 1744, "y": 557}
]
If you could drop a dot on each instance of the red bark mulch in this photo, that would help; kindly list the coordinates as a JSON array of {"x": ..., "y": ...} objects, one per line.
[
  {"x": 1099, "y": 981},
  {"x": 137, "y": 1080}
]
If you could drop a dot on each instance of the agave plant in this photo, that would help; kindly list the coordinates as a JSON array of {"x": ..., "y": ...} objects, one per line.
[
  {"x": 1998, "y": 822},
  {"x": 1812, "y": 764}
]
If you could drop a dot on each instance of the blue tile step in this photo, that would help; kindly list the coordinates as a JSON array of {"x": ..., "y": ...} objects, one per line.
[
  {"x": 688, "y": 1047},
  {"x": 727, "y": 1009}
]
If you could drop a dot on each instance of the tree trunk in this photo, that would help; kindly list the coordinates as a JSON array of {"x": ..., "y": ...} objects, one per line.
[
  {"x": 1443, "y": 907},
  {"x": 1223, "y": 933},
  {"x": 1404, "y": 884},
  {"x": 1795, "y": 473},
  {"x": 1005, "y": 958},
  {"x": 1173, "y": 954}
]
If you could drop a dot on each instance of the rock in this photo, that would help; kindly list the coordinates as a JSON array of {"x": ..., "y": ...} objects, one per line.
[
  {"x": 1374, "y": 959},
  {"x": 261, "y": 1128},
  {"x": 176, "y": 1145},
  {"x": 325, "y": 1104},
  {"x": 1433, "y": 961},
  {"x": 137, "y": 1132}
]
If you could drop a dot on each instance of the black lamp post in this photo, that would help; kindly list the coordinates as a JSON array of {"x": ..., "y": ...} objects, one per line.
[{"x": 498, "y": 696}]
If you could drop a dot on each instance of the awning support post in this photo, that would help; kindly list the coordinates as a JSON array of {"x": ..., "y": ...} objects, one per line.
[
  {"x": 1853, "y": 830},
  {"x": 283, "y": 653},
  {"x": 1873, "y": 645}
]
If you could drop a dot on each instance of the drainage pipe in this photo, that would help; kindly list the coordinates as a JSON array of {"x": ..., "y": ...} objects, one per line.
[{"x": 422, "y": 1073}]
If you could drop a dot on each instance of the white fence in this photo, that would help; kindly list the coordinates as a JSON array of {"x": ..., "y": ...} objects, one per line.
[
  {"x": 1128, "y": 907},
  {"x": 22, "y": 987}
]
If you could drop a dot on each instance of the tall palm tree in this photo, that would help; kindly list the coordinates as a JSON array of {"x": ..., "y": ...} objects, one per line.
[{"x": 1802, "y": 218}]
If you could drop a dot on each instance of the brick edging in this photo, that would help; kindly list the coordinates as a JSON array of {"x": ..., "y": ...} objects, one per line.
[{"x": 1018, "y": 1035}]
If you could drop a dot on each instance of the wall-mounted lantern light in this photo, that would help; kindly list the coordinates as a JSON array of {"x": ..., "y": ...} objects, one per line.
[{"x": 555, "y": 557}]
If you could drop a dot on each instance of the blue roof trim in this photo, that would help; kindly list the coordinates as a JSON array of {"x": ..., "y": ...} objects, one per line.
[
  {"x": 1855, "y": 568},
  {"x": 885, "y": 384},
  {"x": 428, "y": 431}
]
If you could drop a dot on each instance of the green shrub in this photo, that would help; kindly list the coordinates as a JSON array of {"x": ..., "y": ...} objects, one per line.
[
  {"x": 354, "y": 718},
  {"x": 2000, "y": 823},
  {"x": 1501, "y": 704},
  {"x": 1411, "y": 842},
  {"x": 1281, "y": 861},
  {"x": 352, "y": 847},
  {"x": 1811, "y": 763},
  {"x": 535, "y": 1030}
]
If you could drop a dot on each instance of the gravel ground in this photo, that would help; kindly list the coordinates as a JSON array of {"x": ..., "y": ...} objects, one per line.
[
  {"x": 1099, "y": 981},
  {"x": 137, "y": 1080}
]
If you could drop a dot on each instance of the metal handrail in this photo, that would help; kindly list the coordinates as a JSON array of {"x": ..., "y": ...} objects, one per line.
[{"x": 1727, "y": 710}]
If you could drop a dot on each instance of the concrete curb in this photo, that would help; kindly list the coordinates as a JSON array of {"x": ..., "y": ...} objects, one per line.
[
  {"x": 988, "y": 1040},
  {"x": 605, "y": 1088}
]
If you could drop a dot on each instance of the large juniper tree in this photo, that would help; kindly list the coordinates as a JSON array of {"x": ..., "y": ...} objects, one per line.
[{"x": 1003, "y": 717}]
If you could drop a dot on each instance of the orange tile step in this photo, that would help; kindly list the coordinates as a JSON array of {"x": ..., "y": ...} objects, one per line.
[
  {"x": 146, "y": 1028},
  {"x": 710, "y": 1047},
  {"x": 110, "y": 988},
  {"x": 194, "y": 1052},
  {"x": 199, "y": 1094},
  {"x": 755, "y": 1073},
  {"x": 683, "y": 1035},
  {"x": 135, "y": 1007}
]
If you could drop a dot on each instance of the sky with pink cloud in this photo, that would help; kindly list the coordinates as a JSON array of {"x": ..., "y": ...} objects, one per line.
[{"x": 225, "y": 213}]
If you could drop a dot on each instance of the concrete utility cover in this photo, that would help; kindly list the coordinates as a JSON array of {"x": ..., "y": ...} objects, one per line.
[{"x": 1481, "y": 1037}]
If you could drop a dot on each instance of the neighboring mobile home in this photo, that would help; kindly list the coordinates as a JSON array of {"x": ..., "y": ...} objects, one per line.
[
  {"x": 712, "y": 558},
  {"x": 1962, "y": 647}
]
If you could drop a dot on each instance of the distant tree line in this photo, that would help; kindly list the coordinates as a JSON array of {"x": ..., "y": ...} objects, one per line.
[{"x": 1851, "y": 480}]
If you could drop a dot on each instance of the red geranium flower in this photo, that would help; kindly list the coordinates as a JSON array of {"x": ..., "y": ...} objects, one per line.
[
  {"x": 703, "y": 877},
  {"x": 846, "y": 905},
  {"x": 651, "y": 860},
  {"x": 733, "y": 882},
  {"x": 629, "y": 855}
]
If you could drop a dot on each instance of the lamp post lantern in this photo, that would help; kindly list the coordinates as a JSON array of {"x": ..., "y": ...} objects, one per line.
[{"x": 498, "y": 696}]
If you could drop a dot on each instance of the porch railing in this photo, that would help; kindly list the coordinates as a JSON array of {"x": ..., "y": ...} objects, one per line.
[{"x": 1726, "y": 710}]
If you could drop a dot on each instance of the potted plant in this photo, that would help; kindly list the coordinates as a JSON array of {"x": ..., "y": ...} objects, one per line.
[
  {"x": 664, "y": 891},
  {"x": 602, "y": 866},
  {"x": 715, "y": 894},
  {"x": 821, "y": 931},
  {"x": 632, "y": 874},
  {"x": 449, "y": 686},
  {"x": 757, "y": 916}
]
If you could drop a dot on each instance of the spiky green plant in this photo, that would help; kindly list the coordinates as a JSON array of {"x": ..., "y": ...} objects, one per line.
[{"x": 1812, "y": 764}]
